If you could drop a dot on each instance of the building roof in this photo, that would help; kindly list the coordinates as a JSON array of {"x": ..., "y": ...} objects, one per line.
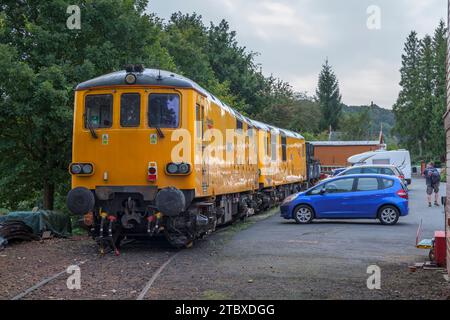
[{"x": 345, "y": 143}]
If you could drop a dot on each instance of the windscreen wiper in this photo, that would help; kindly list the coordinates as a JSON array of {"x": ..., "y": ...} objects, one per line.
[
  {"x": 160, "y": 133},
  {"x": 90, "y": 127}
]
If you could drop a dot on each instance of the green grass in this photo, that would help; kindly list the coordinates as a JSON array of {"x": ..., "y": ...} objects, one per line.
[{"x": 214, "y": 295}]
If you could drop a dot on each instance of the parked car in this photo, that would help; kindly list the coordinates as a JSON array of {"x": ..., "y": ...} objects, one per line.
[
  {"x": 364, "y": 196},
  {"x": 389, "y": 170},
  {"x": 399, "y": 158},
  {"x": 335, "y": 172}
]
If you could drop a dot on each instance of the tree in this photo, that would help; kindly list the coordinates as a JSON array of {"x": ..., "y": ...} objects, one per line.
[
  {"x": 41, "y": 61},
  {"x": 329, "y": 98},
  {"x": 421, "y": 103},
  {"x": 425, "y": 100},
  {"x": 406, "y": 107},
  {"x": 439, "y": 45},
  {"x": 356, "y": 126}
]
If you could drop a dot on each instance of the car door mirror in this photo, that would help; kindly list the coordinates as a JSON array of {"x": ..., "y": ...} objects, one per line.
[{"x": 323, "y": 191}]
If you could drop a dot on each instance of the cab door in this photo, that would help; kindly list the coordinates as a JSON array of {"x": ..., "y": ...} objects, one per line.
[{"x": 201, "y": 129}]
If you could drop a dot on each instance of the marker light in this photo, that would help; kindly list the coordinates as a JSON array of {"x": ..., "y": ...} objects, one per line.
[{"x": 152, "y": 173}]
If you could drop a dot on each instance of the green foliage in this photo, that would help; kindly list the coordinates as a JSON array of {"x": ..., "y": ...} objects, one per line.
[
  {"x": 329, "y": 98},
  {"x": 421, "y": 103},
  {"x": 41, "y": 61},
  {"x": 356, "y": 126}
]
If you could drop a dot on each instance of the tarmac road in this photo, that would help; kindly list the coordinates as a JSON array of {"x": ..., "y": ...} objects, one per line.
[{"x": 278, "y": 259}]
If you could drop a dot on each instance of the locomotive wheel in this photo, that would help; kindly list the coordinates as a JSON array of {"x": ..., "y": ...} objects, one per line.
[{"x": 179, "y": 240}]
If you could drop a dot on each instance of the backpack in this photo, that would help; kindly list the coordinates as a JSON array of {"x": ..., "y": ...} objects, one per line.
[{"x": 435, "y": 177}]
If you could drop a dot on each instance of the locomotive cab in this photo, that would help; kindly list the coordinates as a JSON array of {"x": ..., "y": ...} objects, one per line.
[{"x": 122, "y": 168}]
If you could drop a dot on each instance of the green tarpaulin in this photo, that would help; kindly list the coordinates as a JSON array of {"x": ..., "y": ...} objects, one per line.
[{"x": 58, "y": 223}]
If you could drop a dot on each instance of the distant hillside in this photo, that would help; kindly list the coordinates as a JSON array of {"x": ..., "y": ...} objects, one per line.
[{"x": 378, "y": 116}]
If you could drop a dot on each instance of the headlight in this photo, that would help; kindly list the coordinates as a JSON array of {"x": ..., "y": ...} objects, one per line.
[
  {"x": 172, "y": 168},
  {"x": 290, "y": 198},
  {"x": 178, "y": 168},
  {"x": 75, "y": 169},
  {"x": 81, "y": 168},
  {"x": 130, "y": 78},
  {"x": 184, "y": 168},
  {"x": 87, "y": 169}
]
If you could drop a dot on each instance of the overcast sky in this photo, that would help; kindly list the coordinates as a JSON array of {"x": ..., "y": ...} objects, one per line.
[{"x": 294, "y": 37}]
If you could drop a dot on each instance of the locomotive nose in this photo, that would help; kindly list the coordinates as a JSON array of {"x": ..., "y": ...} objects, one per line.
[
  {"x": 170, "y": 201},
  {"x": 80, "y": 201}
]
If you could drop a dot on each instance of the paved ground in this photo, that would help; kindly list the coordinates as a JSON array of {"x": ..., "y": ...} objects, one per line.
[
  {"x": 264, "y": 258},
  {"x": 326, "y": 260}
]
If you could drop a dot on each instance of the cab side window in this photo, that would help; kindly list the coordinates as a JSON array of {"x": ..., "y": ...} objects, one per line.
[
  {"x": 164, "y": 110},
  {"x": 130, "y": 109},
  {"x": 98, "y": 111}
]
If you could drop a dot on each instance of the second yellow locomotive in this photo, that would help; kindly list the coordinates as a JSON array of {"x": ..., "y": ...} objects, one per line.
[{"x": 153, "y": 152}]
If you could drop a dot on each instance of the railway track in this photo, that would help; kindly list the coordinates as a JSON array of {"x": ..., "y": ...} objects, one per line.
[
  {"x": 43, "y": 288},
  {"x": 136, "y": 282}
]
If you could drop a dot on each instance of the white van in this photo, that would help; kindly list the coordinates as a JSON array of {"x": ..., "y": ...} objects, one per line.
[{"x": 399, "y": 158}]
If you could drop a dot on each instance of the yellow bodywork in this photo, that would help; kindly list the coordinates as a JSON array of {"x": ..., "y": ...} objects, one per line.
[{"x": 121, "y": 155}]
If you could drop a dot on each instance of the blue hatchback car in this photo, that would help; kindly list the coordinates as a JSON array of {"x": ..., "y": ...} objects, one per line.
[{"x": 363, "y": 196}]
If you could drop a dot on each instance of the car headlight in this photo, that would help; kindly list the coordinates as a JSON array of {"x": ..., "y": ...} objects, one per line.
[{"x": 290, "y": 198}]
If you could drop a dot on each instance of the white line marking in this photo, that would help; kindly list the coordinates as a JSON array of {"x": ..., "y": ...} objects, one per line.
[{"x": 154, "y": 277}]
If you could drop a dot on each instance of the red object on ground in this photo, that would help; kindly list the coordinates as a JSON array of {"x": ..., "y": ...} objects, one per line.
[
  {"x": 440, "y": 248},
  {"x": 422, "y": 167}
]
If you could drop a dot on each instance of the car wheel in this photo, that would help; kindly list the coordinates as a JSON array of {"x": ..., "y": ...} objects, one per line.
[
  {"x": 389, "y": 215},
  {"x": 303, "y": 214}
]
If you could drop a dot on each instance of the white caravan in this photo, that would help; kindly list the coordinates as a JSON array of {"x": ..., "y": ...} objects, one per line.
[{"x": 399, "y": 158}]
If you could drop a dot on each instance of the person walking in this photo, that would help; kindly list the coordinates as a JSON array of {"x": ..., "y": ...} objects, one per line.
[{"x": 433, "y": 179}]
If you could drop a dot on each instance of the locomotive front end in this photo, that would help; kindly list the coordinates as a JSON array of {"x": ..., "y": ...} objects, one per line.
[{"x": 126, "y": 179}]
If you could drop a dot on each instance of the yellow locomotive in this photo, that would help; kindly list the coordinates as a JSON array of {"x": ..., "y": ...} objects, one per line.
[{"x": 153, "y": 152}]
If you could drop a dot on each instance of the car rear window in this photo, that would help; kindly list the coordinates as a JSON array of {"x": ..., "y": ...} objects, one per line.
[
  {"x": 352, "y": 171},
  {"x": 371, "y": 170},
  {"x": 386, "y": 183},
  {"x": 367, "y": 184},
  {"x": 387, "y": 171}
]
